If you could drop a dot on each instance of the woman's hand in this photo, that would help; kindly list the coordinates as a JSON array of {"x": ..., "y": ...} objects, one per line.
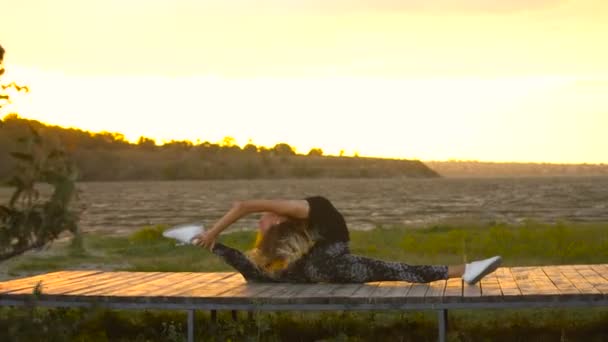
[{"x": 205, "y": 239}]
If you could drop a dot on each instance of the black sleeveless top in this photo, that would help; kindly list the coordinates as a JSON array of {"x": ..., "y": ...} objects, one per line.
[{"x": 325, "y": 220}]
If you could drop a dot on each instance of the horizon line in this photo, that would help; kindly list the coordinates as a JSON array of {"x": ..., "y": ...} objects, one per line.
[{"x": 355, "y": 154}]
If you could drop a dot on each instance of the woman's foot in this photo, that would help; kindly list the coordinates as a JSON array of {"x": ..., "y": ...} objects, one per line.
[{"x": 476, "y": 270}]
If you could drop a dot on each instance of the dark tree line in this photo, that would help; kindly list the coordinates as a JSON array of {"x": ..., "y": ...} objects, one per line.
[{"x": 110, "y": 157}]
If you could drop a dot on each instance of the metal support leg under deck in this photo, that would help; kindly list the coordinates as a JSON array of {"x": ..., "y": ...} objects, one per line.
[
  {"x": 443, "y": 324},
  {"x": 191, "y": 325}
]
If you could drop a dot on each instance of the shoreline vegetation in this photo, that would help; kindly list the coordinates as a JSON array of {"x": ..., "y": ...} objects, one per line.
[
  {"x": 107, "y": 156},
  {"x": 528, "y": 244}
]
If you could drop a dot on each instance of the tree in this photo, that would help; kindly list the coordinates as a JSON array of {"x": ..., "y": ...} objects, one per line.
[
  {"x": 5, "y": 98},
  {"x": 283, "y": 149},
  {"x": 315, "y": 152},
  {"x": 27, "y": 222},
  {"x": 250, "y": 148},
  {"x": 181, "y": 145},
  {"x": 146, "y": 143},
  {"x": 228, "y": 144},
  {"x": 1, "y": 60}
]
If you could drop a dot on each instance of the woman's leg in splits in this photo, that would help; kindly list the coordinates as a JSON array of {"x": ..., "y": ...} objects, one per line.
[
  {"x": 241, "y": 263},
  {"x": 336, "y": 264},
  {"x": 359, "y": 269}
]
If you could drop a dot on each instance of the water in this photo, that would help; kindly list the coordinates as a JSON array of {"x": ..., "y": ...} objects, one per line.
[{"x": 121, "y": 207}]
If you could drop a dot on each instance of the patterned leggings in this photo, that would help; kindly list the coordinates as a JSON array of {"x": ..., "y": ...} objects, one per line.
[{"x": 333, "y": 263}]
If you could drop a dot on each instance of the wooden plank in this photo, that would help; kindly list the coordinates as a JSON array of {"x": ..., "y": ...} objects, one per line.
[
  {"x": 288, "y": 290},
  {"x": 525, "y": 282},
  {"x": 315, "y": 291},
  {"x": 417, "y": 292},
  {"x": 35, "y": 278},
  {"x": 245, "y": 290},
  {"x": 222, "y": 285},
  {"x": 580, "y": 282},
  {"x": 106, "y": 277},
  {"x": 71, "y": 283},
  {"x": 471, "y": 291},
  {"x": 601, "y": 270},
  {"x": 155, "y": 287},
  {"x": 133, "y": 286},
  {"x": 47, "y": 279},
  {"x": 593, "y": 278},
  {"x": 330, "y": 293},
  {"x": 393, "y": 292},
  {"x": 392, "y": 289},
  {"x": 507, "y": 283},
  {"x": 293, "y": 293},
  {"x": 278, "y": 289},
  {"x": 435, "y": 291},
  {"x": 345, "y": 290},
  {"x": 200, "y": 280},
  {"x": 125, "y": 286},
  {"x": 533, "y": 283},
  {"x": 366, "y": 290},
  {"x": 454, "y": 289},
  {"x": 543, "y": 283},
  {"x": 214, "y": 288},
  {"x": 563, "y": 284},
  {"x": 77, "y": 281},
  {"x": 490, "y": 287},
  {"x": 114, "y": 279}
]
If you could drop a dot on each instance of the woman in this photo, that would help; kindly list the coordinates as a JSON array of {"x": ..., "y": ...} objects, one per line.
[{"x": 307, "y": 241}]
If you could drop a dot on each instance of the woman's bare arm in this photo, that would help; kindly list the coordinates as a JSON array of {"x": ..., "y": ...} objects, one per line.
[{"x": 292, "y": 208}]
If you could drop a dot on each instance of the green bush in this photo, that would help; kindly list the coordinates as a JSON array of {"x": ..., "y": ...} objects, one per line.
[{"x": 148, "y": 234}]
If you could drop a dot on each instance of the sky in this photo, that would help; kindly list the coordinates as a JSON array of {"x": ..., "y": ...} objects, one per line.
[{"x": 504, "y": 81}]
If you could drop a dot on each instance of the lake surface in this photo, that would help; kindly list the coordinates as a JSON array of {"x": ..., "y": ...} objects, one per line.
[{"x": 122, "y": 207}]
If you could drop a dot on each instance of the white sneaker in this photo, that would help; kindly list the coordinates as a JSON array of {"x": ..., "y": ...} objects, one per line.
[
  {"x": 476, "y": 270},
  {"x": 184, "y": 232}
]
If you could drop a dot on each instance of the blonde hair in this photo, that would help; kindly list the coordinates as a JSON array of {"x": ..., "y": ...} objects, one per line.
[{"x": 281, "y": 245}]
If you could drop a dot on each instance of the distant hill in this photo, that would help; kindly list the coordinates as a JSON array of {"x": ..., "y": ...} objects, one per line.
[
  {"x": 488, "y": 169},
  {"x": 109, "y": 157}
]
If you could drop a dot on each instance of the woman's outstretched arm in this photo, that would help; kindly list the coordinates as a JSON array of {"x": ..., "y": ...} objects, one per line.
[
  {"x": 297, "y": 209},
  {"x": 292, "y": 208}
]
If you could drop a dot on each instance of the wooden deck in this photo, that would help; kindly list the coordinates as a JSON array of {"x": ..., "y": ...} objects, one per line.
[{"x": 546, "y": 286}]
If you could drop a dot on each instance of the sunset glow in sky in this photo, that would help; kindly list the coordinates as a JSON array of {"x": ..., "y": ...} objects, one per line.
[{"x": 509, "y": 80}]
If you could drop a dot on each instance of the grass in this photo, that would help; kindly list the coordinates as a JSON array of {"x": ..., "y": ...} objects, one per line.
[{"x": 530, "y": 243}]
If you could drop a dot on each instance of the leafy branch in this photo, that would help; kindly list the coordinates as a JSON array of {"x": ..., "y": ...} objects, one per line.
[{"x": 27, "y": 222}]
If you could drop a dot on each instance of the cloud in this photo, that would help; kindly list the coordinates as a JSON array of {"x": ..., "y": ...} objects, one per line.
[{"x": 406, "y": 5}]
